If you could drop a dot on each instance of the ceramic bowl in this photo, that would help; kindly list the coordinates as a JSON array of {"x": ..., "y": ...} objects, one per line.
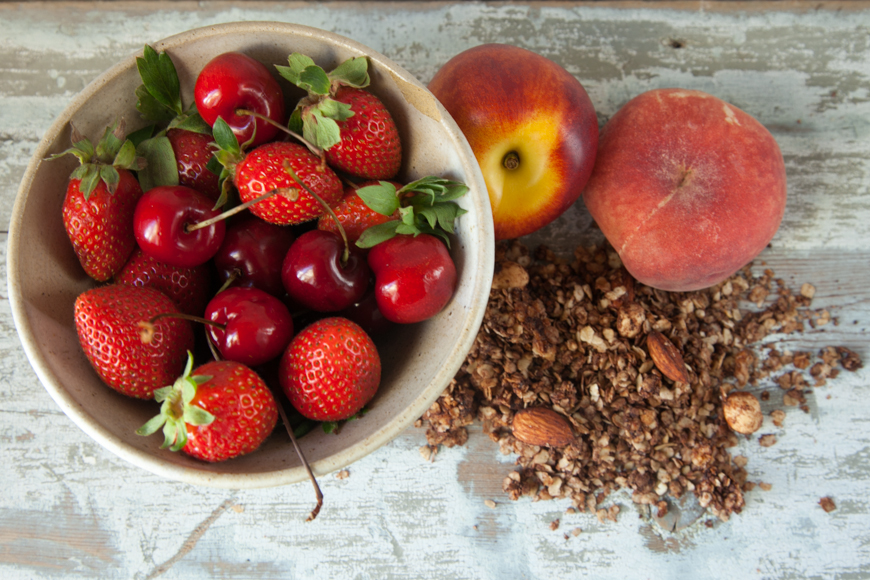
[{"x": 418, "y": 360}]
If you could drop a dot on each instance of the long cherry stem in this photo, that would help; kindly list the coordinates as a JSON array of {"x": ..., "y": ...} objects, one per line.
[
  {"x": 318, "y": 494},
  {"x": 293, "y": 195},
  {"x": 345, "y": 255},
  {"x": 311, "y": 146}
]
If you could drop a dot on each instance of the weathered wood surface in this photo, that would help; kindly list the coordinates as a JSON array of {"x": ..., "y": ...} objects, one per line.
[{"x": 68, "y": 508}]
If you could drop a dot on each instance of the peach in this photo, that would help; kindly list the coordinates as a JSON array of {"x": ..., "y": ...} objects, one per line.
[
  {"x": 687, "y": 188},
  {"x": 532, "y": 128}
]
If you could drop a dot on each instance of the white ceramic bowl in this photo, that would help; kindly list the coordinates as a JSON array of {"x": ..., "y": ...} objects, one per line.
[{"x": 45, "y": 277}]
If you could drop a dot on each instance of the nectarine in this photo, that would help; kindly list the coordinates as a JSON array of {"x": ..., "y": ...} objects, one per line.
[
  {"x": 532, "y": 128},
  {"x": 687, "y": 188}
]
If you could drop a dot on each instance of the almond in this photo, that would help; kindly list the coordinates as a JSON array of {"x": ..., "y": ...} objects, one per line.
[
  {"x": 543, "y": 427},
  {"x": 667, "y": 357}
]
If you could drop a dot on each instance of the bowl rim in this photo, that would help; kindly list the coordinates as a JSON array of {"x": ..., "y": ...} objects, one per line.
[{"x": 485, "y": 251}]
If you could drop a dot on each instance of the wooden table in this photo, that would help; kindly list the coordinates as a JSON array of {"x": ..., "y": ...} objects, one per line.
[{"x": 69, "y": 508}]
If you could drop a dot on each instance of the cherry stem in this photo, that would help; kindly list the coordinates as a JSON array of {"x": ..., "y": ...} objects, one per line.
[
  {"x": 233, "y": 211},
  {"x": 345, "y": 255},
  {"x": 311, "y": 146},
  {"x": 189, "y": 317},
  {"x": 318, "y": 494}
]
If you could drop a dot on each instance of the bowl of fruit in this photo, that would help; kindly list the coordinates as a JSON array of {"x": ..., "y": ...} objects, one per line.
[{"x": 250, "y": 249}]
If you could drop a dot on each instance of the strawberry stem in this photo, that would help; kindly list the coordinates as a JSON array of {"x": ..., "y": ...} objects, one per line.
[
  {"x": 317, "y": 493},
  {"x": 345, "y": 255},
  {"x": 291, "y": 195}
]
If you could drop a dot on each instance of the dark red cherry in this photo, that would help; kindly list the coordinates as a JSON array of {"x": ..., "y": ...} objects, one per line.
[
  {"x": 161, "y": 221},
  {"x": 316, "y": 276},
  {"x": 253, "y": 251},
  {"x": 233, "y": 81},
  {"x": 414, "y": 277},
  {"x": 258, "y": 325},
  {"x": 367, "y": 314}
]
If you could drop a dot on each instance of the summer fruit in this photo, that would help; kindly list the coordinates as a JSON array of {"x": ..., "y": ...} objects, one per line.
[
  {"x": 100, "y": 200},
  {"x": 252, "y": 254},
  {"x": 193, "y": 152},
  {"x": 687, "y": 188},
  {"x": 354, "y": 215},
  {"x": 351, "y": 125},
  {"x": 256, "y": 326},
  {"x": 270, "y": 168},
  {"x": 233, "y": 82},
  {"x": 189, "y": 288},
  {"x": 321, "y": 273},
  {"x": 330, "y": 370},
  {"x": 222, "y": 411},
  {"x": 531, "y": 125},
  {"x": 180, "y": 153},
  {"x": 366, "y": 313},
  {"x": 107, "y": 320},
  {"x": 162, "y": 226},
  {"x": 414, "y": 277}
]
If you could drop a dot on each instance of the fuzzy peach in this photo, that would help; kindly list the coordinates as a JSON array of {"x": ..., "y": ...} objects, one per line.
[{"x": 686, "y": 187}]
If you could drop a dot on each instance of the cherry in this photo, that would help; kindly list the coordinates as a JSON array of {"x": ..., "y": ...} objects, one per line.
[
  {"x": 367, "y": 314},
  {"x": 257, "y": 327},
  {"x": 321, "y": 272},
  {"x": 233, "y": 81},
  {"x": 253, "y": 251},
  {"x": 414, "y": 277},
  {"x": 162, "y": 221}
]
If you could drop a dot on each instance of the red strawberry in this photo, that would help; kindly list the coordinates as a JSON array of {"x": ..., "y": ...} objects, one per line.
[
  {"x": 189, "y": 288},
  {"x": 193, "y": 151},
  {"x": 369, "y": 147},
  {"x": 330, "y": 370},
  {"x": 354, "y": 215},
  {"x": 265, "y": 169},
  {"x": 352, "y": 126},
  {"x": 107, "y": 322},
  {"x": 100, "y": 200},
  {"x": 224, "y": 410}
]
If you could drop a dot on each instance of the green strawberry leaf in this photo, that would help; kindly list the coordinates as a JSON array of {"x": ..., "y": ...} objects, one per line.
[
  {"x": 155, "y": 422},
  {"x": 160, "y": 79},
  {"x": 352, "y": 72},
  {"x": 298, "y": 62},
  {"x": 126, "y": 156},
  {"x": 109, "y": 175},
  {"x": 320, "y": 130},
  {"x": 380, "y": 198},
  {"x": 161, "y": 166},
  {"x": 376, "y": 234},
  {"x": 194, "y": 415},
  {"x": 314, "y": 80},
  {"x": 192, "y": 122},
  {"x": 408, "y": 229},
  {"x": 330, "y": 426},
  {"x": 111, "y": 142},
  {"x": 150, "y": 108},
  {"x": 145, "y": 132},
  {"x": 225, "y": 138},
  {"x": 90, "y": 179},
  {"x": 295, "y": 121},
  {"x": 335, "y": 109}
]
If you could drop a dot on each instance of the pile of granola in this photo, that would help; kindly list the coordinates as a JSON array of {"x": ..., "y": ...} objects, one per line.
[{"x": 571, "y": 337}]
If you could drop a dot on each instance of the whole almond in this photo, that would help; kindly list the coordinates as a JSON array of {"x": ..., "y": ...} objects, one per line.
[
  {"x": 667, "y": 357},
  {"x": 543, "y": 427}
]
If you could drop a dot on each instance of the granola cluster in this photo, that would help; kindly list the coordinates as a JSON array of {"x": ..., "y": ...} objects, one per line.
[{"x": 571, "y": 337}]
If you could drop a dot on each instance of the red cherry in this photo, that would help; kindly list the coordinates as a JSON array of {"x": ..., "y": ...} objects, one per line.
[
  {"x": 253, "y": 250},
  {"x": 367, "y": 314},
  {"x": 232, "y": 81},
  {"x": 161, "y": 221},
  {"x": 414, "y": 277},
  {"x": 258, "y": 327},
  {"x": 316, "y": 276}
]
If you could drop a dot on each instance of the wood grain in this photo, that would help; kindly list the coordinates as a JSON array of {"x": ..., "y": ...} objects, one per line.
[{"x": 71, "y": 509}]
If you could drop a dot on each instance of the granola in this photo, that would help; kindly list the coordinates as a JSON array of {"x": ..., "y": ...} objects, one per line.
[{"x": 571, "y": 337}]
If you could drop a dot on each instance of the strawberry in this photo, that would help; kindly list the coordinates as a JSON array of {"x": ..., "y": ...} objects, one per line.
[
  {"x": 352, "y": 125},
  {"x": 189, "y": 288},
  {"x": 270, "y": 167},
  {"x": 193, "y": 152},
  {"x": 354, "y": 215},
  {"x": 180, "y": 153},
  {"x": 330, "y": 370},
  {"x": 222, "y": 411},
  {"x": 107, "y": 320},
  {"x": 100, "y": 200}
]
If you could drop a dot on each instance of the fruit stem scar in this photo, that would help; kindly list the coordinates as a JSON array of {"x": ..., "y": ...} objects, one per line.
[
  {"x": 685, "y": 174},
  {"x": 511, "y": 160}
]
